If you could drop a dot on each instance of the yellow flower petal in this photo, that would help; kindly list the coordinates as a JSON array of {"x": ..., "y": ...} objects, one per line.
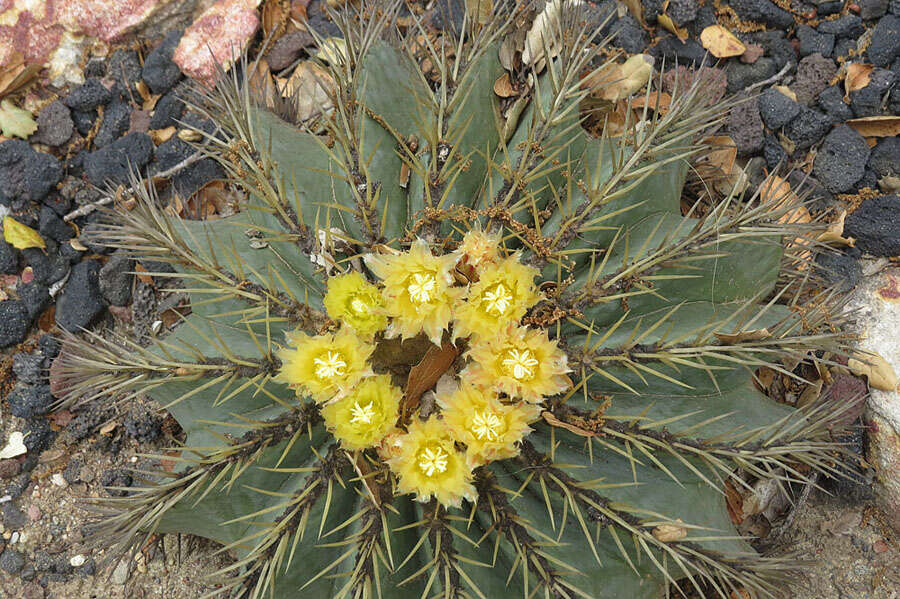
[
  {"x": 520, "y": 362},
  {"x": 363, "y": 417},
  {"x": 428, "y": 464},
  {"x": 478, "y": 248},
  {"x": 324, "y": 365},
  {"x": 501, "y": 297},
  {"x": 418, "y": 292},
  {"x": 490, "y": 429},
  {"x": 356, "y": 302}
]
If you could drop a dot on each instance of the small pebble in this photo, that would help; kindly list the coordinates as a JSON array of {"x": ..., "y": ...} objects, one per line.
[
  {"x": 58, "y": 480},
  {"x": 77, "y": 561}
]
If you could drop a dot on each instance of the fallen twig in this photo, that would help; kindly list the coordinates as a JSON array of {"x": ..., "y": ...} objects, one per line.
[
  {"x": 109, "y": 198},
  {"x": 771, "y": 79}
]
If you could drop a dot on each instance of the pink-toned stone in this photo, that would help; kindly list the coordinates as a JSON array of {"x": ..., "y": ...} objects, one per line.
[
  {"x": 107, "y": 20},
  {"x": 217, "y": 37},
  {"x": 34, "y": 513},
  {"x": 31, "y": 28}
]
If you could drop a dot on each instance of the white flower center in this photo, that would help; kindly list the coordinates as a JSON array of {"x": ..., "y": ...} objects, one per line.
[
  {"x": 433, "y": 460},
  {"x": 363, "y": 414},
  {"x": 359, "y": 307},
  {"x": 520, "y": 363},
  {"x": 422, "y": 288},
  {"x": 498, "y": 300},
  {"x": 330, "y": 365},
  {"x": 486, "y": 425}
]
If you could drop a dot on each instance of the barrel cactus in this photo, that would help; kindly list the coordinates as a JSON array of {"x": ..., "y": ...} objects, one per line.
[{"x": 445, "y": 349}]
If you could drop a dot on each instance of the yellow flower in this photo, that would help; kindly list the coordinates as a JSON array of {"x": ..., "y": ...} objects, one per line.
[
  {"x": 428, "y": 464},
  {"x": 366, "y": 414},
  {"x": 356, "y": 302},
  {"x": 479, "y": 248},
  {"x": 417, "y": 291},
  {"x": 490, "y": 429},
  {"x": 323, "y": 365},
  {"x": 501, "y": 296},
  {"x": 520, "y": 362}
]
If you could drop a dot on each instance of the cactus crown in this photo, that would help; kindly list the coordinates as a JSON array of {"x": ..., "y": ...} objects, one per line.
[{"x": 448, "y": 351}]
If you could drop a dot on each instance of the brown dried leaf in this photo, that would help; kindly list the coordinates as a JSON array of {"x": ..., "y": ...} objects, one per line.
[
  {"x": 637, "y": 11},
  {"x": 169, "y": 465},
  {"x": 668, "y": 533},
  {"x": 834, "y": 234},
  {"x": 275, "y": 15},
  {"x": 680, "y": 32},
  {"x": 734, "y": 501},
  {"x": 754, "y": 335},
  {"x": 786, "y": 91},
  {"x": 503, "y": 86},
  {"x": 161, "y": 136},
  {"x": 143, "y": 274},
  {"x": 617, "y": 81},
  {"x": 552, "y": 420},
  {"x": 876, "y": 126},
  {"x": 879, "y": 371},
  {"x": 60, "y": 418},
  {"x": 858, "y": 76},
  {"x": 310, "y": 87},
  {"x": 479, "y": 11},
  {"x": 658, "y": 102},
  {"x": 16, "y": 74},
  {"x": 425, "y": 374},
  {"x": 721, "y": 43}
]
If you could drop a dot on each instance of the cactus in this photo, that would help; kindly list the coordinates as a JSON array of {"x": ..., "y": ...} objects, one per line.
[{"x": 356, "y": 424}]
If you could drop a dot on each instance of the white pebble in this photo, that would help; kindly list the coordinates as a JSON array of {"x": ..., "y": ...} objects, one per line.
[
  {"x": 77, "y": 561},
  {"x": 58, "y": 480},
  {"x": 14, "y": 538}
]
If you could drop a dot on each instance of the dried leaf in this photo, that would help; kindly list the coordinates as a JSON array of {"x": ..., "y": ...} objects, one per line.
[
  {"x": 16, "y": 74},
  {"x": 143, "y": 275},
  {"x": 542, "y": 37},
  {"x": 658, "y": 102},
  {"x": 479, "y": 11},
  {"x": 275, "y": 14},
  {"x": 858, "y": 76},
  {"x": 668, "y": 24},
  {"x": 876, "y": 126},
  {"x": 333, "y": 50},
  {"x": 614, "y": 82},
  {"x": 668, "y": 533},
  {"x": 879, "y": 371},
  {"x": 169, "y": 465},
  {"x": 637, "y": 11},
  {"x": 310, "y": 87},
  {"x": 21, "y": 236},
  {"x": 834, "y": 234},
  {"x": 720, "y": 42},
  {"x": 425, "y": 374},
  {"x": 15, "y": 121},
  {"x": 503, "y": 86},
  {"x": 60, "y": 418},
  {"x": 734, "y": 501},
  {"x": 160, "y": 136},
  {"x": 14, "y": 447},
  {"x": 783, "y": 89},
  {"x": 552, "y": 420},
  {"x": 754, "y": 335},
  {"x": 109, "y": 427}
]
